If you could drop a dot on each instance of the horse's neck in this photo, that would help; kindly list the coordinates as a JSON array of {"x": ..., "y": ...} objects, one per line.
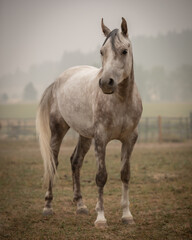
[{"x": 125, "y": 88}]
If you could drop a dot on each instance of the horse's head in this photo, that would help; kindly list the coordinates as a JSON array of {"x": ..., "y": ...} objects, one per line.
[{"x": 117, "y": 59}]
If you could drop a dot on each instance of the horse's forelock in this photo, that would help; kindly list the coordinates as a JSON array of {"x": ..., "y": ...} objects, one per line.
[{"x": 112, "y": 36}]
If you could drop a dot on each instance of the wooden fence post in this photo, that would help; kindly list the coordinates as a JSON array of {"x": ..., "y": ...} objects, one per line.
[
  {"x": 160, "y": 129},
  {"x": 187, "y": 128},
  {"x": 146, "y": 129},
  {"x": 190, "y": 124}
]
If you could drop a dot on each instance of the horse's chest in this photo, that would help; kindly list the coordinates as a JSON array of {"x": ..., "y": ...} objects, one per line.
[
  {"x": 122, "y": 124},
  {"x": 117, "y": 122}
]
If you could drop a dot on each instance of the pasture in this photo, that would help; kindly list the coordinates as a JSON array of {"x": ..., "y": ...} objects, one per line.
[
  {"x": 28, "y": 110},
  {"x": 160, "y": 194}
]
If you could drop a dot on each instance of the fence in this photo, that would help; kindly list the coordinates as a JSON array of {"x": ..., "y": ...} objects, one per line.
[
  {"x": 17, "y": 128},
  {"x": 165, "y": 129},
  {"x": 151, "y": 129}
]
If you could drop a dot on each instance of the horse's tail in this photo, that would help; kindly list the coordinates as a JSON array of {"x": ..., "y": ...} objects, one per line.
[{"x": 44, "y": 133}]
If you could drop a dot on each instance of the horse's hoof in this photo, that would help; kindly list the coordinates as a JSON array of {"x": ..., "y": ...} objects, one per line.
[
  {"x": 101, "y": 224},
  {"x": 128, "y": 221},
  {"x": 82, "y": 211},
  {"x": 47, "y": 211}
]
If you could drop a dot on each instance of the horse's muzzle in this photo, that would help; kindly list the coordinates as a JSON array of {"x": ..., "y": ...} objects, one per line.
[{"x": 107, "y": 86}]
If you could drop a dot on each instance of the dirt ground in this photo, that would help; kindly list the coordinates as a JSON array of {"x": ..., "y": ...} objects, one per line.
[{"x": 160, "y": 194}]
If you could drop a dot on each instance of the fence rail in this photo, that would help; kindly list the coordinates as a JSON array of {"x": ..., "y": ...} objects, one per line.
[
  {"x": 151, "y": 129},
  {"x": 165, "y": 129}
]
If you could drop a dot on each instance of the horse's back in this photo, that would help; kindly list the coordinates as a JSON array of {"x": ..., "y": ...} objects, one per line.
[{"x": 68, "y": 73}]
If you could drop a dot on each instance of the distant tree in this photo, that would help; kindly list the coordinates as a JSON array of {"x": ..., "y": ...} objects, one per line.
[
  {"x": 181, "y": 81},
  {"x": 142, "y": 81},
  {"x": 29, "y": 92},
  {"x": 4, "y": 98},
  {"x": 158, "y": 84}
]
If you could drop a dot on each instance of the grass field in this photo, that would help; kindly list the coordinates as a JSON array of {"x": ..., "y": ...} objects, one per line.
[
  {"x": 160, "y": 194},
  {"x": 18, "y": 110},
  {"x": 149, "y": 110}
]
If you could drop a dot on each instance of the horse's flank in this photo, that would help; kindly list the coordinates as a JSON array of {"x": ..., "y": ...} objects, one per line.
[{"x": 77, "y": 87}]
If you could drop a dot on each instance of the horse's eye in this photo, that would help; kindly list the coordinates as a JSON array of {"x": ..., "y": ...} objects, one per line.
[
  {"x": 101, "y": 53},
  {"x": 124, "y": 52}
]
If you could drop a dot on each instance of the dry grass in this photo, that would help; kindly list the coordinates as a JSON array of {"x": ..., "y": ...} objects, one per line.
[{"x": 160, "y": 194}]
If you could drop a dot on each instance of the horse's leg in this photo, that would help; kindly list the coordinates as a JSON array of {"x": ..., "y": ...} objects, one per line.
[
  {"x": 101, "y": 178},
  {"x": 77, "y": 157},
  {"x": 58, "y": 130},
  {"x": 127, "y": 148}
]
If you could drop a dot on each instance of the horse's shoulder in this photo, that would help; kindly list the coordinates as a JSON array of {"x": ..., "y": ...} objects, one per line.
[{"x": 136, "y": 106}]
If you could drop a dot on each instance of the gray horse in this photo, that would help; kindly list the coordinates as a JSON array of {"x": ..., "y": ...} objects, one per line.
[{"x": 101, "y": 104}]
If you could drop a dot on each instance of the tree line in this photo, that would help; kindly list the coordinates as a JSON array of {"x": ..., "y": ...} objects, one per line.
[{"x": 163, "y": 70}]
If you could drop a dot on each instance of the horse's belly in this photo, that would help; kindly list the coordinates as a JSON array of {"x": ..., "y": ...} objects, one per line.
[
  {"x": 77, "y": 114},
  {"x": 78, "y": 121}
]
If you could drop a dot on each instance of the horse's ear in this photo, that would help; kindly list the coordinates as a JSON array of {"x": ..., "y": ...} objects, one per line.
[
  {"x": 124, "y": 27},
  {"x": 105, "y": 29}
]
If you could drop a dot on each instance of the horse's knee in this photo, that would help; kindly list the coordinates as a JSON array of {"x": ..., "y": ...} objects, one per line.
[
  {"x": 101, "y": 178},
  {"x": 76, "y": 162}
]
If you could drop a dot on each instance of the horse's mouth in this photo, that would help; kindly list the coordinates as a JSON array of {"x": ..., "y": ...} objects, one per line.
[{"x": 109, "y": 92}]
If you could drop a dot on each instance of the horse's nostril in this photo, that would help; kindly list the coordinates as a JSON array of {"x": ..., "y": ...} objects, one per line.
[{"x": 111, "y": 82}]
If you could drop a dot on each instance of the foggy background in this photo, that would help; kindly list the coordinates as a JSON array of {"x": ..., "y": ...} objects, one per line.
[{"x": 40, "y": 39}]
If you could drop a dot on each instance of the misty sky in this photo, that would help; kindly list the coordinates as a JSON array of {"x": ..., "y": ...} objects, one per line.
[{"x": 33, "y": 31}]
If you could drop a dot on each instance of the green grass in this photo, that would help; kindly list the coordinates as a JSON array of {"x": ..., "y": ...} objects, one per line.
[
  {"x": 160, "y": 194},
  {"x": 167, "y": 109},
  {"x": 18, "y": 110},
  {"x": 149, "y": 110}
]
